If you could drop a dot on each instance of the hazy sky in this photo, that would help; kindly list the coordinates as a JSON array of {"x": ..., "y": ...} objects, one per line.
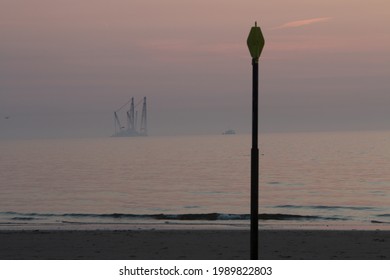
[{"x": 66, "y": 65}]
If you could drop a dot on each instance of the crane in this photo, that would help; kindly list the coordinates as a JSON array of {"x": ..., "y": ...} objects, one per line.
[{"x": 131, "y": 116}]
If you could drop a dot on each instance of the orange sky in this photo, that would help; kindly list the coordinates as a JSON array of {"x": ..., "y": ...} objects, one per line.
[{"x": 66, "y": 64}]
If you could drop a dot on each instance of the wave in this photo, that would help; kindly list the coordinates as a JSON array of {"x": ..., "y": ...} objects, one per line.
[
  {"x": 379, "y": 222},
  {"x": 23, "y": 218},
  {"x": 383, "y": 215},
  {"x": 363, "y": 208},
  {"x": 179, "y": 217}
]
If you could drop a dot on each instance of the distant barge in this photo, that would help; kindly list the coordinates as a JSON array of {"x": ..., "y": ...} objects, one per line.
[{"x": 229, "y": 132}]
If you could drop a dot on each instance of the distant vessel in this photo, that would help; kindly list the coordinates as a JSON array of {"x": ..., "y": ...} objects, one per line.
[
  {"x": 229, "y": 132},
  {"x": 131, "y": 115}
]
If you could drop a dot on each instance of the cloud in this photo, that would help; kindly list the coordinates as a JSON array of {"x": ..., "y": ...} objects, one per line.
[{"x": 299, "y": 23}]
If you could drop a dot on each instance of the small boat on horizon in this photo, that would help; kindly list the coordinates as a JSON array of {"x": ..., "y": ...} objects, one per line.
[{"x": 229, "y": 132}]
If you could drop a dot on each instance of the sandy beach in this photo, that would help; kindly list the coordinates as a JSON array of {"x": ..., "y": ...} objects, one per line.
[{"x": 192, "y": 244}]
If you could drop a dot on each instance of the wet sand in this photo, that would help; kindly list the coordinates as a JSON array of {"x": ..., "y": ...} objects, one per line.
[{"x": 192, "y": 244}]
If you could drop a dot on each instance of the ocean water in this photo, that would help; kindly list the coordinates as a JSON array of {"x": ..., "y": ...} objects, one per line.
[{"x": 307, "y": 180}]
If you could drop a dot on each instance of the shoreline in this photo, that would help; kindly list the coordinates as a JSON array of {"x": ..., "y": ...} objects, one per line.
[{"x": 199, "y": 244}]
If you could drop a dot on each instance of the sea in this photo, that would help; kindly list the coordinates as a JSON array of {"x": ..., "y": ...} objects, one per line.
[{"x": 328, "y": 180}]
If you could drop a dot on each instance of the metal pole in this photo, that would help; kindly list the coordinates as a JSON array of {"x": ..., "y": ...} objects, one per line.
[{"x": 255, "y": 164}]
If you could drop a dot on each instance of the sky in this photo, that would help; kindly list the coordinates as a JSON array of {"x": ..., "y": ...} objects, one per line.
[{"x": 67, "y": 65}]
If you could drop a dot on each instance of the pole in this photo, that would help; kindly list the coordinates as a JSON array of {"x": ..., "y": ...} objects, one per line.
[
  {"x": 255, "y": 164},
  {"x": 255, "y": 44}
]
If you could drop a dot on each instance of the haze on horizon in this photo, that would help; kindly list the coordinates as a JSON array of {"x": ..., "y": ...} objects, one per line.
[{"x": 66, "y": 65}]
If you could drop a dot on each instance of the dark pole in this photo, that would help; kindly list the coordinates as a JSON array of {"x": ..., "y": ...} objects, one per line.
[
  {"x": 255, "y": 44},
  {"x": 255, "y": 164}
]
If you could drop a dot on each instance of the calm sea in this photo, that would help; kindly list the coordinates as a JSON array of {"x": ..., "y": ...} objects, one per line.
[{"x": 307, "y": 180}]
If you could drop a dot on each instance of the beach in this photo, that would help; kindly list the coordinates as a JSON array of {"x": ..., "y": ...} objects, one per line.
[{"x": 192, "y": 244}]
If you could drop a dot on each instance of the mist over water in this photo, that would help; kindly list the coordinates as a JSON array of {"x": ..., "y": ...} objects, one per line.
[{"x": 306, "y": 179}]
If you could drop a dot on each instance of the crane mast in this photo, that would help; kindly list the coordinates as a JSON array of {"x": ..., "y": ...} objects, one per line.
[
  {"x": 144, "y": 128},
  {"x": 117, "y": 123}
]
